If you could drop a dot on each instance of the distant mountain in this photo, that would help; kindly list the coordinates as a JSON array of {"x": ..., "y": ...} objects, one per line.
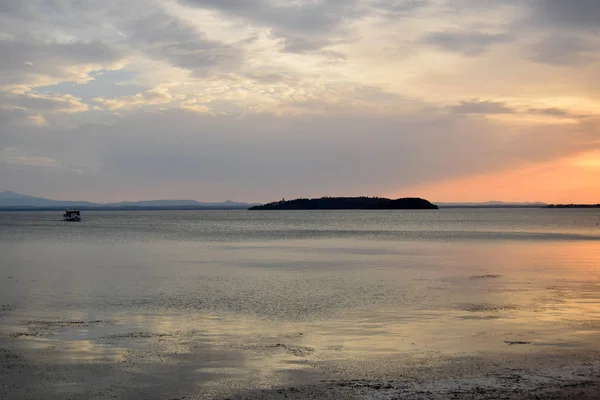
[
  {"x": 11, "y": 200},
  {"x": 154, "y": 203},
  {"x": 493, "y": 204}
]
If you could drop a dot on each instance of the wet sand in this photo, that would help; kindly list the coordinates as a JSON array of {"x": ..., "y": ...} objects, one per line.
[{"x": 224, "y": 358}]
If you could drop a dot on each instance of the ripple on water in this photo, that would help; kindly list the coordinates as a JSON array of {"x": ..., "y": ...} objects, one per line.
[
  {"x": 488, "y": 276},
  {"x": 485, "y": 307}
]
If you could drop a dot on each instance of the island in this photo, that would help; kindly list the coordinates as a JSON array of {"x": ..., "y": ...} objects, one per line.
[{"x": 349, "y": 203}]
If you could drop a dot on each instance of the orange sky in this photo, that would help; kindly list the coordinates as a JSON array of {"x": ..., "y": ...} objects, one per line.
[{"x": 569, "y": 180}]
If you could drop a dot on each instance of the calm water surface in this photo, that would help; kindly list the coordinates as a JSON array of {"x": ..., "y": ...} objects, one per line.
[{"x": 264, "y": 293}]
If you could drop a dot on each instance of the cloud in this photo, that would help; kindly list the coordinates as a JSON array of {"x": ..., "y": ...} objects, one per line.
[
  {"x": 575, "y": 14},
  {"x": 20, "y": 54},
  {"x": 464, "y": 42},
  {"x": 16, "y": 157},
  {"x": 157, "y": 95},
  {"x": 9, "y": 116},
  {"x": 564, "y": 50},
  {"x": 45, "y": 103},
  {"x": 27, "y": 63},
  {"x": 552, "y": 112},
  {"x": 396, "y": 8},
  {"x": 477, "y": 107},
  {"x": 10, "y": 6},
  {"x": 481, "y": 107},
  {"x": 305, "y": 25},
  {"x": 304, "y": 45},
  {"x": 37, "y": 120},
  {"x": 164, "y": 37},
  {"x": 299, "y": 17}
]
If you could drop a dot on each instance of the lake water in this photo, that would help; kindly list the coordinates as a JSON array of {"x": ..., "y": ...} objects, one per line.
[{"x": 218, "y": 303}]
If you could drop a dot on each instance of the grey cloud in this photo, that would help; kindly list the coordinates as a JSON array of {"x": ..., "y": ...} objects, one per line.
[
  {"x": 477, "y": 107},
  {"x": 32, "y": 8},
  {"x": 550, "y": 15},
  {"x": 147, "y": 28},
  {"x": 17, "y": 53},
  {"x": 553, "y": 112},
  {"x": 12, "y": 7},
  {"x": 9, "y": 117},
  {"x": 78, "y": 52},
  {"x": 167, "y": 38},
  {"x": 564, "y": 50},
  {"x": 464, "y": 42},
  {"x": 304, "y": 45},
  {"x": 22, "y": 61},
  {"x": 576, "y": 14},
  {"x": 566, "y": 25},
  {"x": 481, "y": 107},
  {"x": 307, "y": 25},
  {"x": 30, "y": 18},
  {"x": 396, "y": 8},
  {"x": 305, "y": 17}
]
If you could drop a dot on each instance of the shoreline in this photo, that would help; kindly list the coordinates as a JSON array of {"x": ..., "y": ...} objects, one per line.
[
  {"x": 547, "y": 376},
  {"x": 64, "y": 358}
]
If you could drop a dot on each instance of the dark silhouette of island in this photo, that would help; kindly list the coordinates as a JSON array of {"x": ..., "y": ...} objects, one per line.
[
  {"x": 573, "y": 206},
  {"x": 350, "y": 203}
]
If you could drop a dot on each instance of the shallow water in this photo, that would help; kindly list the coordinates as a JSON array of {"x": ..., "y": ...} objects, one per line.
[{"x": 238, "y": 300}]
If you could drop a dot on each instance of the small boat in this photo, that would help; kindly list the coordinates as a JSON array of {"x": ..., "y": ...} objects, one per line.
[{"x": 72, "y": 216}]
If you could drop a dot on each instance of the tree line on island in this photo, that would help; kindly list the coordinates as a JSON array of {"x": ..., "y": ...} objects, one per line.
[
  {"x": 573, "y": 206},
  {"x": 349, "y": 203}
]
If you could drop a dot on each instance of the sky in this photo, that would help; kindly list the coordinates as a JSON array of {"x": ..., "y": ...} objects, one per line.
[{"x": 258, "y": 100}]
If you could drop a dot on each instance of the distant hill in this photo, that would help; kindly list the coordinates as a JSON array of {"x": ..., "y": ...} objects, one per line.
[
  {"x": 350, "y": 203},
  {"x": 493, "y": 204},
  {"x": 12, "y": 200},
  {"x": 177, "y": 203}
]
